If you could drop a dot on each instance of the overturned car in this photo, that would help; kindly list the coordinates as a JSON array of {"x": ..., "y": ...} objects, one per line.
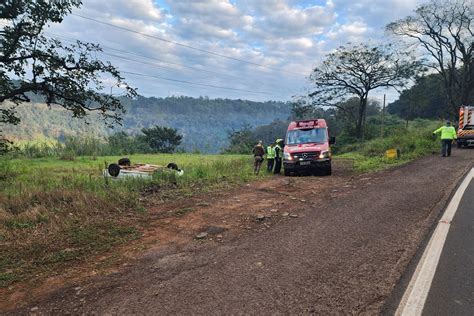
[{"x": 125, "y": 169}]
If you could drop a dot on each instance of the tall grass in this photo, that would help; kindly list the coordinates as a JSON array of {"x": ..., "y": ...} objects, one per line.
[
  {"x": 71, "y": 148},
  {"x": 413, "y": 141},
  {"x": 55, "y": 212}
]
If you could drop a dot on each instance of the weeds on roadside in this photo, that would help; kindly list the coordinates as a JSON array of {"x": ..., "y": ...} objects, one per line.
[
  {"x": 412, "y": 142},
  {"x": 55, "y": 212}
]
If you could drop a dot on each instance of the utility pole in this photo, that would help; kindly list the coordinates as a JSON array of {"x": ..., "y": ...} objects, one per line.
[{"x": 383, "y": 115}]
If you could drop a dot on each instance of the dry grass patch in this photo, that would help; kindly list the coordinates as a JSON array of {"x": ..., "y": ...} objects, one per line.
[{"x": 41, "y": 232}]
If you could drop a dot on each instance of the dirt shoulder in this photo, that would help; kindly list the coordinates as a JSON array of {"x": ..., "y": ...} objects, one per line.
[{"x": 284, "y": 245}]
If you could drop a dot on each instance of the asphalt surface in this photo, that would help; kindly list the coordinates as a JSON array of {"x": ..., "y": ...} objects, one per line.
[
  {"x": 452, "y": 289},
  {"x": 344, "y": 254}
]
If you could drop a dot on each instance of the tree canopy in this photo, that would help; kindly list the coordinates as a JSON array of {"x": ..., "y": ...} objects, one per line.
[
  {"x": 425, "y": 99},
  {"x": 67, "y": 75},
  {"x": 161, "y": 139},
  {"x": 444, "y": 30},
  {"x": 356, "y": 70}
]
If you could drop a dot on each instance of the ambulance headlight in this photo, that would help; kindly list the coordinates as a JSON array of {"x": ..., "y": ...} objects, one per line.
[{"x": 325, "y": 154}]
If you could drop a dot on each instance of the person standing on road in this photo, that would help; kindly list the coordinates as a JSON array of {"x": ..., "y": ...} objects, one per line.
[
  {"x": 270, "y": 157},
  {"x": 258, "y": 153},
  {"x": 278, "y": 155},
  {"x": 448, "y": 134}
]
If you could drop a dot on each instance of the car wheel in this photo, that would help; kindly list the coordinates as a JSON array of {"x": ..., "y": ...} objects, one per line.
[
  {"x": 114, "y": 169},
  {"x": 124, "y": 162}
]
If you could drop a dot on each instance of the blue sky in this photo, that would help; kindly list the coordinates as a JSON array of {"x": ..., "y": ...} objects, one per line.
[{"x": 288, "y": 36}]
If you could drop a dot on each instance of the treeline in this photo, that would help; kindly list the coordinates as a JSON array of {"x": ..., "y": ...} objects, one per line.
[
  {"x": 204, "y": 123},
  {"x": 341, "y": 121},
  {"x": 158, "y": 139},
  {"x": 425, "y": 99}
]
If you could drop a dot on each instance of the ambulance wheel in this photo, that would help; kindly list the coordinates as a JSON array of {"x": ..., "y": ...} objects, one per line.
[
  {"x": 324, "y": 171},
  {"x": 328, "y": 170},
  {"x": 287, "y": 173},
  {"x": 114, "y": 169},
  {"x": 459, "y": 145}
]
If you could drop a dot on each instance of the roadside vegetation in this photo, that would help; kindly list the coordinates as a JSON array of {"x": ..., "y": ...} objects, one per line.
[
  {"x": 412, "y": 142},
  {"x": 72, "y": 212},
  {"x": 56, "y": 212}
]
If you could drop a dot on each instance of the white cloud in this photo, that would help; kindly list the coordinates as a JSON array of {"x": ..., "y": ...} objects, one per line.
[
  {"x": 292, "y": 35},
  {"x": 352, "y": 32},
  {"x": 131, "y": 9},
  {"x": 277, "y": 18}
]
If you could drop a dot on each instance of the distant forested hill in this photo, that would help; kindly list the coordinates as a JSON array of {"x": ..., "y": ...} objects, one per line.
[{"x": 204, "y": 122}]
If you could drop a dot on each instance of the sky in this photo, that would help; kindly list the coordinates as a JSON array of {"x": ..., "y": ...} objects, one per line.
[{"x": 239, "y": 49}]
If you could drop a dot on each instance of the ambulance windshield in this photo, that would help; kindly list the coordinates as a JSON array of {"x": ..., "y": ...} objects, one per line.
[{"x": 305, "y": 136}]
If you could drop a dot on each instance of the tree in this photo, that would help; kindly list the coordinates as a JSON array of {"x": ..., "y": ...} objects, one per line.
[
  {"x": 269, "y": 133},
  {"x": 161, "y": 139},
  {"x": 241, "y": 141},
  {"x": 122, "y": 143},
  {"x": 355, "y": 71},
  {"x": 5, "y": 145},
  {"x": 31, "y": 63},
  {"x": 444, "y": 31},
  {"x": 425, "y": 99}
]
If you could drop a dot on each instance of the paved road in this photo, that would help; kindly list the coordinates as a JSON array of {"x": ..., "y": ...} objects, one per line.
[
  {"x": 452, "y": 290},
  {"x": 342, "y": 255}
]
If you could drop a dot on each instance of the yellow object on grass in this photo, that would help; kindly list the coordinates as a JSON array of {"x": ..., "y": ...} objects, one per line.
[{"x": 391, "y": 154}]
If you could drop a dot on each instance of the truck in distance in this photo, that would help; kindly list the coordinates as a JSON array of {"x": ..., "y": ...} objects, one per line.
[
  {"x": 466, "y": 126},
  {"x": 307, "y": 148}
]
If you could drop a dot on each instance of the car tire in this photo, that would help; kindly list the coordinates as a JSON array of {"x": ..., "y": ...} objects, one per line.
[
  {"x": 172, "y": 166},
  {"x": 114, "y": 169},
  {"x": 124, "y": 162},
  {"x": 287, "y": 173}
]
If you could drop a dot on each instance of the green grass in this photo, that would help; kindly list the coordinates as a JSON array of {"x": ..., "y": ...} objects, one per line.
[
  {"x": 414, "y": 142},
  {"x": 85, "y": 173},
  {"x": 55, "y": 213}
]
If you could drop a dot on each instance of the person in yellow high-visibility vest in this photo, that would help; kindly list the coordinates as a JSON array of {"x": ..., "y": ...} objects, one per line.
[
  {"x": 278, "y": 155},
  {"x": 270, "y": 157},
  {"x": 448, "y": 134}
]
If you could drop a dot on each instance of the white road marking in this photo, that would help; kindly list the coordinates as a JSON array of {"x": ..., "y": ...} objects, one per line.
[{"x": 417, "y": 291}]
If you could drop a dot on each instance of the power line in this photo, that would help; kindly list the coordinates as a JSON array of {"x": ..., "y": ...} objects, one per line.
[
  {"x": 195, "y": 83},
  {"x": 169, "y": 79},
  {"x": 151, "y": 58},
  {"x": 157, "y": 66},
  {"x": 186, "y": 46},
  {"x": 148, "y": 57}
]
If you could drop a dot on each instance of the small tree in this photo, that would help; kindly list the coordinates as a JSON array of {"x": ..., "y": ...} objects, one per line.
[
  {"x": 5, "y": 145},
  {"x": 444, "y": 31},
  {"x": 31, "y": 63},
  {"x": 355, "y": 71},
  {"x": 241, "y": 141},
  {"x": 161, "y": 139}
]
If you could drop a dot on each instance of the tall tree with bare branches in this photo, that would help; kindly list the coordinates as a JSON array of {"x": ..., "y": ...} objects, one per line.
[
  {"x": 444, "y": 30},
  {"x": 357, "y": 70}
]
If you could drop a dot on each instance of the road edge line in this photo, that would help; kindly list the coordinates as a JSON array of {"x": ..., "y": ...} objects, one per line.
[{"x": 415, "y": 295}]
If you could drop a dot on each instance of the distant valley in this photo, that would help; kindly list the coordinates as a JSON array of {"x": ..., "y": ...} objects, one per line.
[{"x": 203, "y": 122}]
